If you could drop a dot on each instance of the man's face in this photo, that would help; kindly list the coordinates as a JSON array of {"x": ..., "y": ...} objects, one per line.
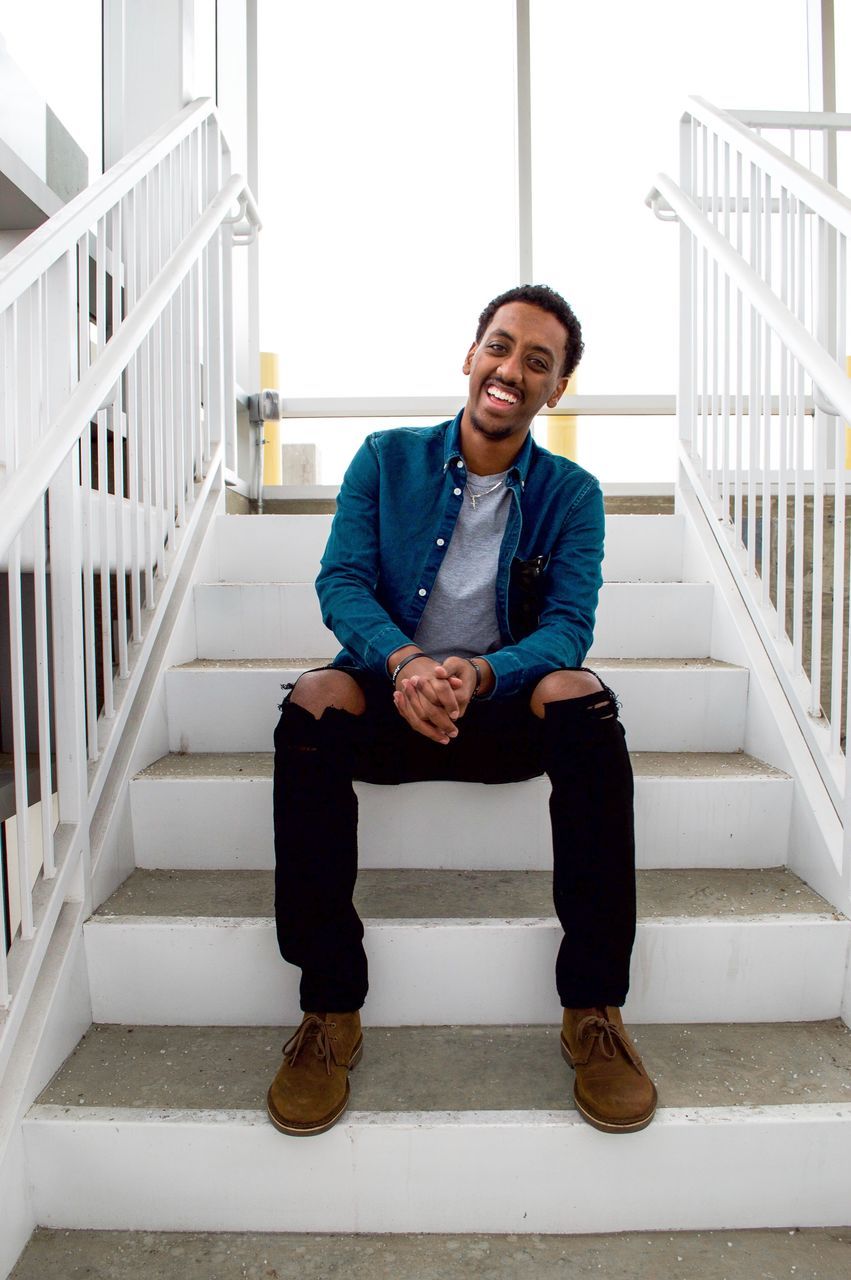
[{"x": 515, "y": 370}]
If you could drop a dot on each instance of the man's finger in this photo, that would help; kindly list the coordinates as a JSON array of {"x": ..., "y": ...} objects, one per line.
[
  {"x": 446, "y": 690},
  {"x": 435, "y": 686},
  {"x": 432, "y": 706},
  {"x": 424, "y": 717},
  {"x": 417, "y": 723},
  {"x": 438, "y": 690},
  {"x": 432, "y": 712}
]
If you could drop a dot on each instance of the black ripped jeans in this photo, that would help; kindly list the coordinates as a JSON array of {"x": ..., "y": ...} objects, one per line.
[{"x": 579, "y": 743}]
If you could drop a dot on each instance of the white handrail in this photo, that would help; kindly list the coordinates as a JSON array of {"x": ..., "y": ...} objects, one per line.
[
  {"x": 448, "y": 406},
  {"x": 33, "y": 477},
  {"x": 23, "y": 265},
  {"x": 824, "y": 371},
  {"x": 815, "y": 121},
  {"x": 763, "y": 310},
  {"x": 247, "y": 206},
  {"x": 591, "y": 406},
  {"x": 824, "y": 199},
  {"x": 117, "y": 411}
]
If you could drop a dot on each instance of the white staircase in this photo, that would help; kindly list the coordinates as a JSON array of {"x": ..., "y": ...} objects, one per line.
[{"x": 157, "y": 1121}]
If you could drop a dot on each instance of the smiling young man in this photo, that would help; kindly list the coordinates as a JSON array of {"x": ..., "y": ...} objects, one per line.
[{"x": 461, "y": 576}]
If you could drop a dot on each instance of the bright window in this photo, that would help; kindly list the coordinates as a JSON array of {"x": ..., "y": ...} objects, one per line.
[
  {"x": 387, "y": 186},
  {"x": 610, "y": 82},
  {"x": 388, "y": 191},
  {"x": 58, "y": 47}
]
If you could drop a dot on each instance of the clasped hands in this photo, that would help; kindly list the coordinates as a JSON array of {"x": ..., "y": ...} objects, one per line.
[{"x": 433, "y": 696}]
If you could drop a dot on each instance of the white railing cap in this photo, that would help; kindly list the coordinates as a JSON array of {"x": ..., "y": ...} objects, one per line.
[
  {"x": 27, "y": 484},
  {"x": 824, "y": 199},
  {"x": 447, "y": 406},
  {"x": 821, "y": 367},
  {"x": 811, "y": 120},
  {"x": 23, "y": 265}
]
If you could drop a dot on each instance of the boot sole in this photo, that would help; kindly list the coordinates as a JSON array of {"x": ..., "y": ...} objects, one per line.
[
  {"x": 296, "y": 1130},
  {"x": 605, "y": 1126}
]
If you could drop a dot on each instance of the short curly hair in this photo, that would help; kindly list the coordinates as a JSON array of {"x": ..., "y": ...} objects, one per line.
[{"x": 541, "y": 295}]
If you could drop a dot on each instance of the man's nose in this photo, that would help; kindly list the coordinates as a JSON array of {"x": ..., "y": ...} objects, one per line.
[{"x": 511, "y": 368}]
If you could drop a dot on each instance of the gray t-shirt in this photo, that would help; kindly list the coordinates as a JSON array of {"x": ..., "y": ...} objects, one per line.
[{"x": 460, "y": 616}]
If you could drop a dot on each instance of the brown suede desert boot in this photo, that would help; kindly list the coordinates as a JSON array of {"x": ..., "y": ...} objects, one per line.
[
  {"x": 311, "y": 1090},
  {"x": 613, "y": 1092}
]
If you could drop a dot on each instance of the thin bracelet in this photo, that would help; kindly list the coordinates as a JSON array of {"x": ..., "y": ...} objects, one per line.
[
  {"x": 410, "y": 658},
  {"x": 478, "y": 671}
]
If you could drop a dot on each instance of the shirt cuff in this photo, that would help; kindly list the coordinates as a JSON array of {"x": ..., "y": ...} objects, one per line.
[{"x": 382, "y": 644}]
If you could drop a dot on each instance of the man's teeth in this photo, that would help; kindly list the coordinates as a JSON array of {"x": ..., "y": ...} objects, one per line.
[{"x": 502, "y": 395}]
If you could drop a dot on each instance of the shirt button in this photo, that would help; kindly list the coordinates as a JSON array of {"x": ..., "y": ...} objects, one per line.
[
  {"x": 457, "y": 493},
  {"x": 422, "y": 591},
  {"x": 440, "y": 542},
  {"x": 459, "y": 463}
]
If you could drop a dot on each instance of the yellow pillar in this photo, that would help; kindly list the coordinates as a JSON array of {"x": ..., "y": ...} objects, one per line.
[
  {"x": 270, "y": 381},
  {"x": 563, "y": 429}
]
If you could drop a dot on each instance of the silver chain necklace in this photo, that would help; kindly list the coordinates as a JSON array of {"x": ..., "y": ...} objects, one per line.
[{"x": 483, "y": 493}]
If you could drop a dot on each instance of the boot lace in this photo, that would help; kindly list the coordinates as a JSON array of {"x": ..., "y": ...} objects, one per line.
[
  {"x": 610, "y": 1038},
  {"x": 313, "y": 1028}
]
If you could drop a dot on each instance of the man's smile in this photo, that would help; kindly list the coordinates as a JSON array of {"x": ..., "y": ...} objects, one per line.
[{"x": 501, "y": 395}]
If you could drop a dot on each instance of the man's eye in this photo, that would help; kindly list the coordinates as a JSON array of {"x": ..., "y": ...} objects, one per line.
[{"x": 496, "y": 346}]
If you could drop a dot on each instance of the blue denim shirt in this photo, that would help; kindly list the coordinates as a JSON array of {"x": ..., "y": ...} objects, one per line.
[{"x": 396, "y": 511}]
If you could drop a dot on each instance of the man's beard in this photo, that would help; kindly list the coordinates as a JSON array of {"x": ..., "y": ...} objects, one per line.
[{"x": 491, "y": 433}]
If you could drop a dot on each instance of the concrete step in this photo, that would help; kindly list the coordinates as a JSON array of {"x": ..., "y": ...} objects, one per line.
[
  {"x": 467, "y": 946},
  {"x": 450, "y": 1129},
  {"x": 278, "y": 619},
  {"x": 695, "y": 704},
  {"x": 273, "y": 548},
  {"x": 802, "y": 1253},
  {"x": 211, "y": 811},
  {"x": 322, "y": 500}
]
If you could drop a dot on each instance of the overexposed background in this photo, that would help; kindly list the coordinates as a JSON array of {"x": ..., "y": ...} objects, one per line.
[
  {"x": 387, "y": 162},
  {"x": 387, "y": 178},
  {"x": 57, "y": 45},
  {"x": 387, "y": 174}
]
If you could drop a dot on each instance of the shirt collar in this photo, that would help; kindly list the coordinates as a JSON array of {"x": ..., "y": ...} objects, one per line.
[{"x": 452, "y": 451}]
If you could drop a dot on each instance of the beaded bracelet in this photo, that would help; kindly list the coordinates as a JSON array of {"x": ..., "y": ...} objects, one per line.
[{"x": 410, "y": 658}]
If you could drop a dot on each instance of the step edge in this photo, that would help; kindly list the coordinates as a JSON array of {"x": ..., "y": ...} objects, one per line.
[
  {"x": 802, "y": 919},
  {"x": 790, "y": 1113},
  {"x": 770, "y": 775},
  {"x": 698, "y": 662}
]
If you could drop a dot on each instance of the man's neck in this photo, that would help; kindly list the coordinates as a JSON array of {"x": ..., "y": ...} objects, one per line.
[{"x": 485, "y": 457}]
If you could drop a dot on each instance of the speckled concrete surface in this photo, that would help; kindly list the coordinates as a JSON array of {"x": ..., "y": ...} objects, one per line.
[
  {"x": 639, "y": 504},
  {"x": 694, "y": 1255},
  {"x": 299, "y": 506},
  {"x": 701, "y": 764},
  {"x": 645, "y": 764},
  {"x": 441, "y": 895},
  {"x": 251, "y": 664},
  {"x": 610, "y": 664},
  {"x": 615, "y": 505},
  {"x": 456, "y": 1068},
  {"x": 236, "y": 504}
]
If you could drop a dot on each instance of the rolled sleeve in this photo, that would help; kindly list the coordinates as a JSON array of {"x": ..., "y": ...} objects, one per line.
[{"x": 347, "y": 581}]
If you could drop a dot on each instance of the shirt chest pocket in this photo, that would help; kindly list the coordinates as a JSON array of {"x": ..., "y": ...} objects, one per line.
[{"x": 526, "y": 589}]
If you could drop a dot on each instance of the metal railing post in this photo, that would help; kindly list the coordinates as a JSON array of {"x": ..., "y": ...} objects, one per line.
[
  {"x": 228, "y": 353},
  {"x": 64, "y": 532},
  {"x": 685, "y": 357},
  {"x": 523, "y": 139}
]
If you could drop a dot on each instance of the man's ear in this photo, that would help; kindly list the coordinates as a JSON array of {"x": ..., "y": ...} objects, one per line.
[
  {"x": 468, "y": 363},
  {"x": 561, "y": 387}
]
